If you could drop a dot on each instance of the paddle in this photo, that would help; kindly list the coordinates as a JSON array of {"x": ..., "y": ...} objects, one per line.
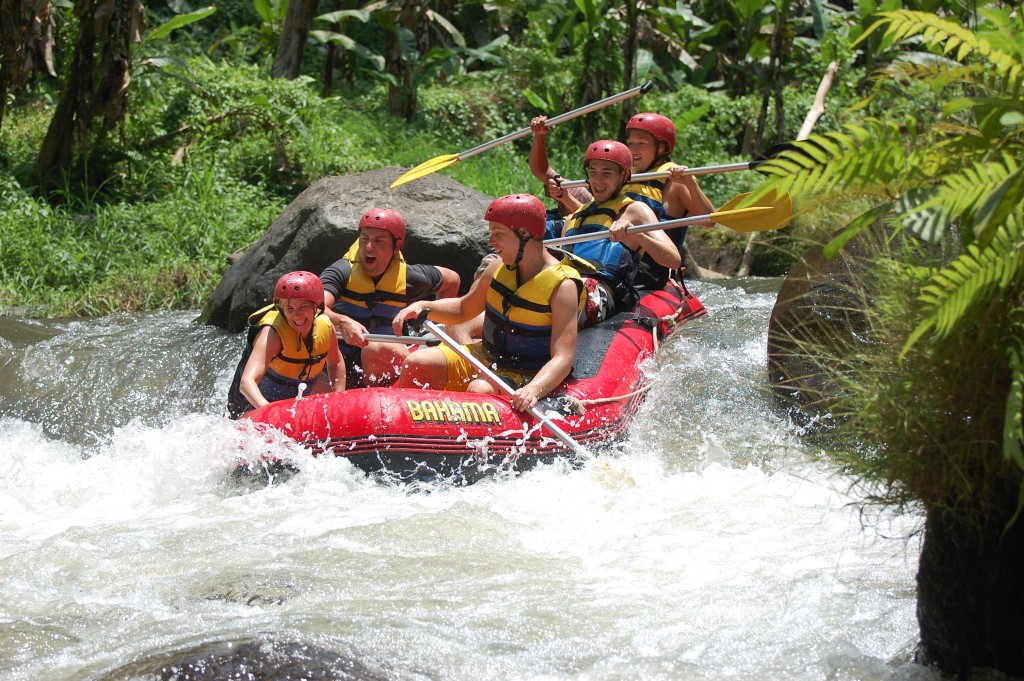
[
  {"x": 497, "y": 381},
  {"x": 404, "y": 340},
  {"x": 441, "y": 162},
  {"x": 768, "y": 212},
  {"x": 769, "y": 154}
]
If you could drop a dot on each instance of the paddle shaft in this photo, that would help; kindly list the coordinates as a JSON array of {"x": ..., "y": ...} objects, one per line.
[
  {"x": 505, "y": 387},
  {"x": 561, "y": 118},
  {"x": 404, "y": 340},
  {"x": 771, "y": 211},
  {"x": 635, "y": 229},
  {"x": 702, "y": 170}
]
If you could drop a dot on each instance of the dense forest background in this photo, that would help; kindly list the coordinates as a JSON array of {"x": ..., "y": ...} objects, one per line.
[{"x": 142, "y": 144}]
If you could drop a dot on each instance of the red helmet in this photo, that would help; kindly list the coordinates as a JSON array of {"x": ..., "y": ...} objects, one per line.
[
  {"x": 663, "y": 129},
  {"x": 388, "y": 220},
  {"x": 517, "y": 211},
  {"x": 303, "y": 285},
  {"x": 610, "y": 150}
]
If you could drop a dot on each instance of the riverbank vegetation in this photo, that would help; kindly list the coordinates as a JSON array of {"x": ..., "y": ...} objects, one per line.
[
  {"x": 132, "y": 197},
  {"x": 929, "y": 378}
]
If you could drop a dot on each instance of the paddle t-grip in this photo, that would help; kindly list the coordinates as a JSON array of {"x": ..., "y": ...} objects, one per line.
[{"x": 412, "y": 327}]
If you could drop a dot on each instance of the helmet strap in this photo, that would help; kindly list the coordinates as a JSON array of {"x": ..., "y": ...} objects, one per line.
[{"x": 522, "y": 248}]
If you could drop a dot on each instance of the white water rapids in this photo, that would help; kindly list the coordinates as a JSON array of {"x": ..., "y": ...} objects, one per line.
[{"x": 711, "y": 544}]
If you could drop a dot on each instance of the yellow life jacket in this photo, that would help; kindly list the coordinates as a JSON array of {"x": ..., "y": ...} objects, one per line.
[
  {"x": 517, "y": 318},
  {"x": 374, "y": 303},
  {"x": 651, "y": 274},
  {"x": 298, "y": 359},
  {"x": 651, "y": 192}
]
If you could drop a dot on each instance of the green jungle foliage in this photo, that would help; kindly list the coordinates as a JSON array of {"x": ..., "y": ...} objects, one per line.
[
  {"x": 211, "y": 147},
  {"x": 932, "y": 392}
]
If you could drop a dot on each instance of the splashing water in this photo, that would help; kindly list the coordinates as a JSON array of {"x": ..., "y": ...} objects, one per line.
[{"x": 711, "y": 544}]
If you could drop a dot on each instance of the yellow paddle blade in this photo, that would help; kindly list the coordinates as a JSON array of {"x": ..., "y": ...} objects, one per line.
[
  {"x": 768, "y": 212},
  {"x": 425, "y": 168}
]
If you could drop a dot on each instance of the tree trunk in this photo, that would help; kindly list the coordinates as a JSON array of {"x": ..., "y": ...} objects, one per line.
[
  {"x": 297, "y": 24},
  {"x": 402, "y": 99},
  {"x": 629, "y": 52},
  {"x": 970, "y": 594},
  {"x": 74, "y": 110},
  {"x": 13, "y": 33},
  {"x": 773, "y": 81},
  {"x": 106, "y": 28}
]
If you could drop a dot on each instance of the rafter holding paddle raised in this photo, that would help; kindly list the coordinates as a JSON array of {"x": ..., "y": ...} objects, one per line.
[{"x": 441, "y": 162}]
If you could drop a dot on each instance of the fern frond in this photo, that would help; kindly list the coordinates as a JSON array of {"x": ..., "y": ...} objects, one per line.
[
  {"x": 964, "y": 192},
  {"x": 864, "y": 159},
  {"x": 929, "y": 214},
  {"x": 939, "y": 72},
  {"x": 969, "y": 282},
  {"x": 948, "y": 37}
]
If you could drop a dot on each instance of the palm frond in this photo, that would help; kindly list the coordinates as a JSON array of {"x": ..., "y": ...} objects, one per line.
[
  {"x": 929, "y": 213},
  {"x": 948, "y": 37},
  {"x": 970, "y": 280},
  {"x": 866, "y": 159},
  {"x": 941, "y": 72}
]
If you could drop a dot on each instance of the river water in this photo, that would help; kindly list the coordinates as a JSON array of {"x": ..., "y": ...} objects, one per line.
[{"x": 711, "y": 544}]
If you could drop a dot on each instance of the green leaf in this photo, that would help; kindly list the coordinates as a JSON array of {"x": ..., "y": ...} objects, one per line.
[
  {"x": 820, "y": 14},
  {"x": 998, "y": 206},
  {"x": 342, "y": 14},
  {"x": 1013, "y": 422},
  {"x": 856, "y": 226},
  {"x": 262, "y": 8},
  {"x": 1011, "y": 119},
  {"x": 536, "y": 100},
  {"x": 180, "y": 20},
  {"x": 448, "y": 26}
]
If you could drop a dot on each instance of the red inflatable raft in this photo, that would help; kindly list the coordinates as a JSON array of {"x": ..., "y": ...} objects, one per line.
[{"x": 415, "y": 434}]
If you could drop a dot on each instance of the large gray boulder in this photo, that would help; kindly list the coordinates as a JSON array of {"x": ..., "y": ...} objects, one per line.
[{"x": 445, "y": 227}]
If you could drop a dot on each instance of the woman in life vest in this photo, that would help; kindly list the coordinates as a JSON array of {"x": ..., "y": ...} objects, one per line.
[
  {"x": 651, "y": 139},
  {"x": 530, "y": 300},
  {"x": 608, "y": 165},
  {"x": 291, "y": 344},
  {"x": 366, "y": 287}
]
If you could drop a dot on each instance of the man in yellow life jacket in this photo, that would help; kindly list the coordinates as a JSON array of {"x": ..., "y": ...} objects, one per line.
[
  {"x": 368, "y": 286},
  {"x": 651, "y": 139},
  {"x": 608, "y": 166},
  {"x": 291, "y": 348},
  {"x": 530, "y": 300}
]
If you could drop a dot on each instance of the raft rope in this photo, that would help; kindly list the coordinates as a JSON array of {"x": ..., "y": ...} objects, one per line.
[
  {"x": 579, "y": 407},
  {"x": 670, "y": 320}
]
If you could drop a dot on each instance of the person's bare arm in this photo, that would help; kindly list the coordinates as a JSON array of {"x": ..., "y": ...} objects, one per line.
[
  {"x": 539, "y": 165},
  {"x": 563, "y": 348},
  {"x": 685, "y": 197},
  {"x": 451, "y": 310},
  {"x": 335, "y": 366},
  {"x": 266, "y": 345},
  {"x": 450, "y": 282},
  {"x": 656, "y": 243},
  {"x": 348, "y": 329}
]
